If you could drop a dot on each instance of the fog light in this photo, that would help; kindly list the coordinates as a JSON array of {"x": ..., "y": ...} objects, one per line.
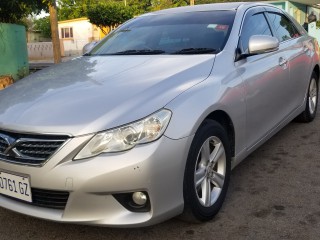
[
  {"x": 139, "y": 198},
  {"x": 134, "y": 201}
]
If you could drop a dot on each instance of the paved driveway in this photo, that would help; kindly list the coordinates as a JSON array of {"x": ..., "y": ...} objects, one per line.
[{"x": 273, "y": 194}]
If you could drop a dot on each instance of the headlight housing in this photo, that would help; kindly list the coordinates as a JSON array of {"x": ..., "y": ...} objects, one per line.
[{"x": 126, "y": 137}]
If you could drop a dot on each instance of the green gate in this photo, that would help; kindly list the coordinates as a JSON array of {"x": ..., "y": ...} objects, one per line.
[{"x": 13, "y": 51}]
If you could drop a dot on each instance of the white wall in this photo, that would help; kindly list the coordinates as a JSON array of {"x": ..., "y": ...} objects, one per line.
[
  {"x": 82, "y": 34},
  {"x": 314, "y": 31},
  {"x": 316, "y": 11}
]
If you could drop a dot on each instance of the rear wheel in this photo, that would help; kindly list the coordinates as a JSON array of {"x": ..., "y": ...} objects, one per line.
[
  {"x": 207, "y": 172},
  {"x": 312, "y": 101}
]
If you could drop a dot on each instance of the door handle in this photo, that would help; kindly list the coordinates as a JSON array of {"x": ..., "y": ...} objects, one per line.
[{"x": 283, "y": 61}]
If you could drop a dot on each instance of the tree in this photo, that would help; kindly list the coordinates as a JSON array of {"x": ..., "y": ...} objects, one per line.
[
  {"x": 54, "y": 31},
  {"x": 161, "y": 4},
  {"x": 180, "y": 3},
  {"x": 164, "y": 4},
  {"x": 15, "y": 11},
  {"x": 213, "y": 1},
  {"x": 43, "y": 25},
  {"x": 109, "y": 14},
  {"x": 70, "y": 9},
  {"x": 140, "y": 6}
]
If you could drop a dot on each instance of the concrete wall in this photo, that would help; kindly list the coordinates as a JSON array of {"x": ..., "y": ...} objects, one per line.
[
  {"x": 40, "y": 51},
  {"x": 13, "y": 51}
]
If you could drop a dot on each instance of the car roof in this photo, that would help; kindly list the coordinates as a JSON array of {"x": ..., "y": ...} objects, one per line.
[{"x": 209, "y": 7}]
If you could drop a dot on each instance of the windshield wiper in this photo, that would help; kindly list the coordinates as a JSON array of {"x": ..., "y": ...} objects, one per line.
[
  {"x": 137, "y": 52},
  {"x": 195, "y": 51}
]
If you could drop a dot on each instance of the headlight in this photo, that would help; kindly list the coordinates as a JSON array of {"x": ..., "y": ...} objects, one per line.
[{"x": 126, "y": 137}]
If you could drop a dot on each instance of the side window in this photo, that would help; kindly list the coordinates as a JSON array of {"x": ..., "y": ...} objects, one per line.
[
  {"x": 283, "y": 26},
  {"x": 253, "y": 25}
]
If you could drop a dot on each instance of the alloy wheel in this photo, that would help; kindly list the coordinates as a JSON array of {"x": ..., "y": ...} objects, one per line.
[
  {"x": 210, "y": 171},
  {"x": 313, "y": 96}
]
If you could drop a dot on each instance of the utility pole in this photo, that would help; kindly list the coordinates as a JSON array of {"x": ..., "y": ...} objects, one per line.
[
  {"x": 55, "y": 31},
  {"x": 191, "y": 2}
]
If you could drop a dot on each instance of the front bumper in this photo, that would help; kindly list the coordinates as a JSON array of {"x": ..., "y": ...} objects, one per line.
[{"x": 156, "y": 168}]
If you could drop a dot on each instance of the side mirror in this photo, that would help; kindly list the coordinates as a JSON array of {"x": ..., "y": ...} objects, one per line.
[
  {"x": 259, "y": 44},
  {"x": 87, "y": 48}
]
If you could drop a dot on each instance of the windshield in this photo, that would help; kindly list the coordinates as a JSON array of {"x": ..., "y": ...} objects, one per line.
[{"x": 180, "y": 33}]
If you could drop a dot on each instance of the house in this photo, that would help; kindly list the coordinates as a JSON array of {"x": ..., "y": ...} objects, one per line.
[
  {"x": 33, "y": 36},
  {"x": 299, "y": 9},
  {"x": 76, "y": 33}
]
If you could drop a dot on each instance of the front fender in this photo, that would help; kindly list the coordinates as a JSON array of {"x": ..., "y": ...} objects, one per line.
[{"x": 193, "y": 106}]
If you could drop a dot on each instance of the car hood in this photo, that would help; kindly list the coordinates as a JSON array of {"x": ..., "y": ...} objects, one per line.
[{"x": 90, "y": 94}]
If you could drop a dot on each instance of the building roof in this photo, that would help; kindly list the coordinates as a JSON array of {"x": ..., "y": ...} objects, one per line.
[{"x": 74, "y": 20}]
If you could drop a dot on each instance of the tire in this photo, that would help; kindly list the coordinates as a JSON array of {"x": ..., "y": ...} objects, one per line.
[
  {"x": 312, "y": 101},
  {"x": 207, "y": 170}
]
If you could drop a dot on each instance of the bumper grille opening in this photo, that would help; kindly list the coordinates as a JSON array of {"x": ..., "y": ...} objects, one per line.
[
  {"x": 46, "y": 198},
  {"x": 49, "y": 199}
]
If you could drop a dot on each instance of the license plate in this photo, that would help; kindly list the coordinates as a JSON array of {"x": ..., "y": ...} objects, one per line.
[{"x": 15, "y": 186}]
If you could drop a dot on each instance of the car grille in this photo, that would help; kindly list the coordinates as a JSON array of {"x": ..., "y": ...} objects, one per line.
[
  {"x": 46, "y": 198},
  {"x": 29, "y": 149},
  {"x": 3, "y": 145}
]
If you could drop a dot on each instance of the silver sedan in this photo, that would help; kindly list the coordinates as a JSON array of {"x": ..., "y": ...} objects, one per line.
[{"x": 149, "y": 123}]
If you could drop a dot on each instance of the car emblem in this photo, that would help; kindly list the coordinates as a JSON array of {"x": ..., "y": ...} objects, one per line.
[{"x": 10, "y": 149}]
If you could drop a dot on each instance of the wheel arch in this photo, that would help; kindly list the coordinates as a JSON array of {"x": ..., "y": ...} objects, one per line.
[
  {"x": 316, "y": 69},
  {"x": 224, "y": 119}
]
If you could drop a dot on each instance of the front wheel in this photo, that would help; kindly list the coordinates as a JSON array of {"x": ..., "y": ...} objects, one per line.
[
  {"x": 207, "y": 172},
  {"x": 312, "y": 101}
]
